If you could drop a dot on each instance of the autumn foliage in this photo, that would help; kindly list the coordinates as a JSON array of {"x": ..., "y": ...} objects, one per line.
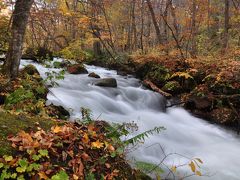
[{"x": 70, "y": 151}]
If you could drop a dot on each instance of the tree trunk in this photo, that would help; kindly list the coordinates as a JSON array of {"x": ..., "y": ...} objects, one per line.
[
  {"x": 156, "y": 26},
  {"x": 226, "y": 25},
  {"x": 142, "y": 25},
  {"x": 19, "y": 24},
  {"x": 134, "y": 28},
  {"x": 194, "y": 29}
]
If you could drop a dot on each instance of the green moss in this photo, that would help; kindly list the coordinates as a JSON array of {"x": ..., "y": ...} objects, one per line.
[
  {"x": 12, "y": 124},
  {"x": 172, "y": 87}
]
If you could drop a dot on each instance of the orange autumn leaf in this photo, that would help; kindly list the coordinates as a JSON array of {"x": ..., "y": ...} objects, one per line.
[
  {"x": 110, "y": 148},
  {"x": 85, "y": 138},
  {"x": 56, "y": 129},
  {"x": 42, "y": 175},
  {"x": 97, "y": 144}
]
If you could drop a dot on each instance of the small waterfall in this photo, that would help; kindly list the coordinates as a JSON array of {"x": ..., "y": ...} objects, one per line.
[{"x": 189, "y": 136}]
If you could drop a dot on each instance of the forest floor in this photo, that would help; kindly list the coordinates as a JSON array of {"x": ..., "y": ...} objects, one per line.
[
  {"x": 208, "y": 86},
  {"x": 36, "y": 141}
]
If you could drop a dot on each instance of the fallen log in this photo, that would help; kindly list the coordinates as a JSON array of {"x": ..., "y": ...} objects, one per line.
[{"x": 153, "y": 87}]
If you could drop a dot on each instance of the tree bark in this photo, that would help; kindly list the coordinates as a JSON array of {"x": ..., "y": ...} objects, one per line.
[
  {"x": 226, "y": 25},
  {"x": 156, "y": 26},
  {"x": 19, "y": 24},
  {"x": 194, "y": 29}
]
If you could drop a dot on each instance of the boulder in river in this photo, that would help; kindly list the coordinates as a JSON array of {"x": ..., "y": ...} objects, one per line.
[
  {"x": 122, "y": 73},
  {"x": 199, "y": 103},
  {"x": 30, "y": 70},
  {"x": 94, "y": 75},
  {"x": 77, "y": 69},
  {"x": 57, "y": 111},
  {"x": 107, "y": 82}
]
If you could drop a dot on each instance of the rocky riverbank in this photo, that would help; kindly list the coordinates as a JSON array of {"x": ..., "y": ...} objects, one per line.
[
  {"x": 50, "y": 146},
  {"x": 207, "y": 86}
]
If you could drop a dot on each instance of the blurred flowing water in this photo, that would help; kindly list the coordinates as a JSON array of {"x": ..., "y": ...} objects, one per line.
[{"x": 219, "y": 149}]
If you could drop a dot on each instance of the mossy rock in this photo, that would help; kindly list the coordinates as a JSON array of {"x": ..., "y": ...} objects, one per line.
[
  {"x": 186, "y": 81},
  {"x": 172, "y": 87},
  {"x": 38, "y": 54},
  {"x": 154, "y": 72},
  {"x": 198, "y": 75},
  {"x": 30, "y": 70},
  {"x": 143, "y": 69},
  {"x": 57, "y": 112}
]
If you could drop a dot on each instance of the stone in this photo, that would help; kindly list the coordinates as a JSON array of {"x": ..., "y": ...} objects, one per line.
[
  {"x": 199, "y": 103},
  {"x": 107, "y": 82},
  {"x": 77, "y": 69},
  {"x": 172, "y": 87},
  {"x": 57, "y": 111},
  {"x": 94, "y": 75},
  {"x": 122, "y": 73},
  {"x": 30, "y": 70}
]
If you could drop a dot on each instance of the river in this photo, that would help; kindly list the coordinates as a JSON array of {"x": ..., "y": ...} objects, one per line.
[{"x": 218, "y": 148}]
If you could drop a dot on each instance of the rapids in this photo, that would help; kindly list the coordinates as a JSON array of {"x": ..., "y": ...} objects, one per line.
[{"x": 219, "y": 149}]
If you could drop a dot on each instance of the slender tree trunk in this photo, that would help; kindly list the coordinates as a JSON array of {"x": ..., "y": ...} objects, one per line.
[
  {"x": 134, "y": 28},
  {"x": 165, "y": 16},
  {"x": 194, "y": 29},
  {"x": 142, "y": 25},
  {"x": 209, "y": 15},
  {"x": 175, "y": 22},
  {"x": 19, "y": 24},
  {"x": 156, "y": 26},
  {"x": 226, "y": 25}
]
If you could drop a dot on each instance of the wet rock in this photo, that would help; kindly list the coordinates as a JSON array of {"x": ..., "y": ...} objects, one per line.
[
  {"x": 94, "y": 75},
  {"x": 30, "y": 70},
  {"x": 185, "y": 80},
  {"x": 107, "y": 82},
  {"x": 77, "y": 69},
  {"x": 122, "y": 73},
  {"x": 57, "y": 111},
  {"x": 39, "y": 54},
  {"x": 199, "y": 103}
]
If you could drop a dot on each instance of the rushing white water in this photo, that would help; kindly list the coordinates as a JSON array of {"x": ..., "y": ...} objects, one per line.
[{"x": 218, "y": 148}]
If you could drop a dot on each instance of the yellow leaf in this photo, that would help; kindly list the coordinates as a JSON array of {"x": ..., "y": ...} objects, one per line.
[
  {"x": 174, "y": 169},
  {"x": 198, "y": 173},
  {"x": 56, "y": 129},
  {"x": 85, "y": 138},
  {"x": 97, "y": 144},
  {"x": 75, "y": 177},
  {"x": 192, "y": 166}
]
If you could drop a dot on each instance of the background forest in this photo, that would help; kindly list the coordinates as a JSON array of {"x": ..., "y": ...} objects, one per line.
[{"x": 160, "y": 27}]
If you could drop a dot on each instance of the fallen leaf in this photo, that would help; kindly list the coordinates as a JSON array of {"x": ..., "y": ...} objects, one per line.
[
  {"x": 56, "y": 129},
  {"x": 42, "y": 175},
  {"x": 192, "y": 166},
  {"x": 97, "y": 144},
  {"x": 108, "y": 165}
]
